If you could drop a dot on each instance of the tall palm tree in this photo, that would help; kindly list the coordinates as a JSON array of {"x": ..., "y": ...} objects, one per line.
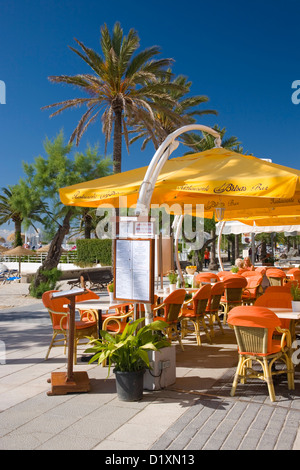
[
  {"x": 122, "y": 86},
  {"x": 170, "y": 116}
]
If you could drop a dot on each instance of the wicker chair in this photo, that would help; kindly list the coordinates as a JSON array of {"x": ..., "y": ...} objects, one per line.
[
  {"x": 193, "y": 310},
  {"x": 233, "y": 291},
  {"x": 254, "y": 327},
  {"x": 253, "y": 288},
  {"x": 276, "y": 276},
  {"x": 205, "y": 277},
  {"x": 273, "y": 299},
  {"x": 213, "y": 307},
  {"x": 59, "y": 317},
  {"x": 169, "y": 311}
]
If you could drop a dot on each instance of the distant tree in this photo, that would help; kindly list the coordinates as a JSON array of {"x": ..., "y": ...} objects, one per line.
[
  {"x": 123, "y": 86},
  {"x": 20, "y": 204},
  {"x": 50, "y": 174}
]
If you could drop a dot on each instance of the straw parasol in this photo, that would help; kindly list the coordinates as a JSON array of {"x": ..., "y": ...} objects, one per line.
[
  {"x": 45, "y": 249},
  {"x": 3, "y": 249},
  {"x": 19, "y": 251}
]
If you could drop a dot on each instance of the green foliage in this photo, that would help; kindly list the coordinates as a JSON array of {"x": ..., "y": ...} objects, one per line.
[
  {"x": 172, "y": 276},
  {"x": 295, "y": 291},
  {"x": 51, "y": 276},
  {"x": 93, "y": 251},
  {"x": 110, "y": 287},
  {"x": 128, "y": 351},
  {"x": 234, "y": 269}
]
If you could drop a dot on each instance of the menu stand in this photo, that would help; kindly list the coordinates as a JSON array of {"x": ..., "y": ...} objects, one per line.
[{"x": 70, "y": 381}]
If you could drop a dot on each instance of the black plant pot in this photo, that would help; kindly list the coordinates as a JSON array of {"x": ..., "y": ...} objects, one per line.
[{"x": 130, "y": 385}]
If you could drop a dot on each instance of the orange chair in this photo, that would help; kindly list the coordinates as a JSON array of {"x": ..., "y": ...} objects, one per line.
[
  {"x": 87, "y": 314},
  {"x": 169, "y": 311},
  {"x": 276, "y": 276},
  {"x": 206, "y": 278},
  {"x": 233, "y": 290},
  {"x": 260, "y": 269},
  {"x": 295, "y": 274},
  {"x": 253, "y": 288},
  {"x": 223, "y": 274},
  {"x": 115, "y": 321},
  {"x": 271, "y": 299},
  {"x": 213, "y": 306},
  {"x": 59, "y": 318},
  {"x": 193, "y": 310},
  {"x": 254, "y": 328}
]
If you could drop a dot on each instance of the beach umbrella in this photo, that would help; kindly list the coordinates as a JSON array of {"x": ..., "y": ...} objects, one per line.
[
  {"x": 19, "y": 251},
  {"x": 243, "y": 185},
  {"x": 3, "y": 249},
  {"x": 43, "y": 249}
]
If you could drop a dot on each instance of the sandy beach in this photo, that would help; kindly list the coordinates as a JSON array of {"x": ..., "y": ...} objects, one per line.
[{"x": 16, "y": 294}]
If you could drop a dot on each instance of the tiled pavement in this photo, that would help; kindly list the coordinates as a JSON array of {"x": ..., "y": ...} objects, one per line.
[{"x": 195, "y": 413}]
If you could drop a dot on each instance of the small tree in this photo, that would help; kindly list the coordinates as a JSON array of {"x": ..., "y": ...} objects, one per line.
[{"x": 48, "y": 175}]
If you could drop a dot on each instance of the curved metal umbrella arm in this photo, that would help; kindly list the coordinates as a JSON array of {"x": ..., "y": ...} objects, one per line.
[{"x": 160, "y": 157}]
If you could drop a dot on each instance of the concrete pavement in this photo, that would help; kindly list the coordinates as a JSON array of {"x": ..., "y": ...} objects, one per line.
[{"x": 195, "y": 413}]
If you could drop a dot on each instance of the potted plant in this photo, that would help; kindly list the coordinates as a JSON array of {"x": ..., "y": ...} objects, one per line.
[
  {"x": 295, "y": 291},
  {"x": 191, "y": 269},
  {"x": 110, "y": 289},
  {"x": 172, "y": 280},
  {"x": 128, "y": 353},
  {"x": 234, "y": 269}
]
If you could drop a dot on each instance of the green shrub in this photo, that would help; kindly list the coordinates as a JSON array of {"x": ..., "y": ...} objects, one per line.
[
  {"x": 52, "y": 277},
  {"x": 93, "y": 251}
]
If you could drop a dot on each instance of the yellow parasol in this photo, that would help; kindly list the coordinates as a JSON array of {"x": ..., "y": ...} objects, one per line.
[{"x": 215, "y": 178}]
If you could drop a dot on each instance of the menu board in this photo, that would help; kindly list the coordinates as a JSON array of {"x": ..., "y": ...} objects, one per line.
[{"x": 133, "y": 268}]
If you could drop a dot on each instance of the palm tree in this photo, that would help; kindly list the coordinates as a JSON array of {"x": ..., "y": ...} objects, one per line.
[
  {"x": 172, "y": 115},
  {"x": 200, "y": 143},
  {"x": 123, "y": 87},
  {"x": 18, "y": 205}
]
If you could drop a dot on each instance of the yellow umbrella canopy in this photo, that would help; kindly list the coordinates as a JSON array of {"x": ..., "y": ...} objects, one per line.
[{"x": 215, "y": 178}]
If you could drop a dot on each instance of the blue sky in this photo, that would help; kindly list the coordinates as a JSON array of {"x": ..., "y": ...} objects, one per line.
[{"x": 244, "y": 55}]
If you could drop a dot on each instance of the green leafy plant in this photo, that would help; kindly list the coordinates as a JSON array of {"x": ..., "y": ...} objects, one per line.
[
  {"x": 295, "y": 291},
  {"x": 234, "y": 269},
  {"x": 128, "y": 351},
  {"x": 110, "y": 287},
  {"x": 172, "y": 276},
  {"x": 51, "y": 277}
]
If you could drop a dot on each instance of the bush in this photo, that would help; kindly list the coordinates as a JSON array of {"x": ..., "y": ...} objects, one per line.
[
  {"x": 52, "y": 277},
  {"x": 93, "y": 251}
]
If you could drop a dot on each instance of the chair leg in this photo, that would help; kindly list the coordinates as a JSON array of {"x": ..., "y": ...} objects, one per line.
[
  {"x": 268, "y": 378},
  {"x": 237, "y": 376},
  {"x": 205, "y": 329},
  {"x": 50, "y": 347}
]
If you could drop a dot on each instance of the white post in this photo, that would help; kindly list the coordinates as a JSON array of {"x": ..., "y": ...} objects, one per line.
[
  {"x": 219, "y": 244},
  {"x": 160, "y": 157}
]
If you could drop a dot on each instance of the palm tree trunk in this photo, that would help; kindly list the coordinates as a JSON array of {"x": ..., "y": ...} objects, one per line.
[
  {"x": 54, "y": 253},
  {"x": 117, "y": 150},
  {"x": 18, "y": 235}
]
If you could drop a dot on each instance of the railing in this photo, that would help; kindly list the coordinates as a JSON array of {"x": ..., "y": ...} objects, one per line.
[{"x": 69, "y": 257}]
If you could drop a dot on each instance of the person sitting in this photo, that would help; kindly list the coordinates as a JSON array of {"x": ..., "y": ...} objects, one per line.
[
  {"x": 247, "y": 264},
  {"x": 239, "y": 263}
]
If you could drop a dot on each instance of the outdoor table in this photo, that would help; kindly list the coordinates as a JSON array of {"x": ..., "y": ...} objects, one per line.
[
  {"x": 101, "y": 305},
  {"x": 288, "y": 314}
]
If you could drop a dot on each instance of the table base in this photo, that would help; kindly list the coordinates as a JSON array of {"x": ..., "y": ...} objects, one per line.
[{"x": 61, "y": 386}]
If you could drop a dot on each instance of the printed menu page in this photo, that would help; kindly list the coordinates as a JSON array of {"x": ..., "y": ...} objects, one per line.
[{"x": 133, "y": 270}]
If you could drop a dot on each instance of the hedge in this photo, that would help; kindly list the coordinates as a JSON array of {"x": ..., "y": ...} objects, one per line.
[{"x": 93, "y": 251}]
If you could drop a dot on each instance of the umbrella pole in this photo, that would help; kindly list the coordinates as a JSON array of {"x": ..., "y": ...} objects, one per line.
[{"x": 219, "y": 245}]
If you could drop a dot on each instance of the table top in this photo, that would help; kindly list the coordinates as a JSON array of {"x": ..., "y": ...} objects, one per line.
[
  {"x": 99, "y": 304},
  {"x": 286, "y": 313}
]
